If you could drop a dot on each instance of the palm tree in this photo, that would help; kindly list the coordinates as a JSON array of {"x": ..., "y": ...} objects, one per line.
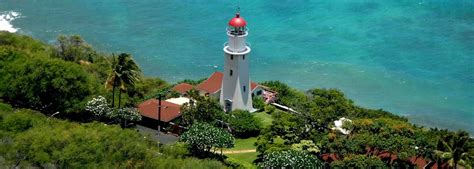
[
  {"x": 125, "y": 73},
  {"x": 454, "y": 149}
]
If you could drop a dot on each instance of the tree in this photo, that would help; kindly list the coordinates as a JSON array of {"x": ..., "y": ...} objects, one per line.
[
  {"x": 358, "y": 161},
  {"x": 46, "y": 84},
  {"x": 202, "y": 137},
  {"x": 74, "y": 48},
  {"x": 125, "y": 73},
  {"x": 290, "y": 159},
  {"x": 306, "y": 145},
  {"x": 258, "y": 103},
  {"x": 201, "y": 109},
  {"x": 100, "y": 108},
  {"x": 455, "y": 149},
  {"x": 243, "y": 124}
]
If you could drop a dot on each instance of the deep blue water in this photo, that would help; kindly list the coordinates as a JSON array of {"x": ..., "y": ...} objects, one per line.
[{"x": 411, "y": 57}]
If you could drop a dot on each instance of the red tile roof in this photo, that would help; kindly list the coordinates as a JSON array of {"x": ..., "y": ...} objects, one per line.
[
  {"x": 169, "y": 111},
  {"x": 183, "y": 88},
  {"x": 212, "y": 84},
  {"x": 253, "y": 85}
]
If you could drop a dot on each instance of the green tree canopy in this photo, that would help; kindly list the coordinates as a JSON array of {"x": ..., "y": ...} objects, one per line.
[
  {"x": 74, "y": 48},
  {"x": 202, "y": 137},
  {"x": 243, "y": 124},
  {"x": 45, "y": 84},
  {"x": 290, "y": 159},
  {"x": 201, "y": 109}
]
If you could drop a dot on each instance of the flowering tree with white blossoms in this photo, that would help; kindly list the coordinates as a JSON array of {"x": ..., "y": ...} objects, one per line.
[
  {"x": 100, "y": 108},
  {"x": 202, "y": 137},
  {"x": 290, "y": 159}
]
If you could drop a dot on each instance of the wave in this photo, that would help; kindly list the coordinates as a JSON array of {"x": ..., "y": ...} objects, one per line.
[{"x": 5, "y": 20}]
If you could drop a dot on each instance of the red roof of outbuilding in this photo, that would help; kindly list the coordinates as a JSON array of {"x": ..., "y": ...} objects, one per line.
[
  {"x": 183, "y": 88},
  {"x": 212, "y": 84},
  {"x": 237, "y": 21},
  {"x": 253, "y": 85},
  {"x": 169, "y": 111}
]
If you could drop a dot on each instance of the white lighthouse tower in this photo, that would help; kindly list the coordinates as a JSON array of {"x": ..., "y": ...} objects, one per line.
[{"x": 235, "y": 92}]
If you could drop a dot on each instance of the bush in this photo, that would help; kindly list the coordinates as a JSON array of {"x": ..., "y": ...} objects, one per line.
[
  {"x": 358, "y": 161},
  {"x": 290, "y": 159},
  {"x": 41, "y": 143},
  {"x": 5, "y": 107},
  {"x": 258, "y": 103},
  {"x": 45, "y": 84},
  {"x": 202, "y": 137},
  {"x": 244, "y": 124},
  {"x": 20, "y": 121}
]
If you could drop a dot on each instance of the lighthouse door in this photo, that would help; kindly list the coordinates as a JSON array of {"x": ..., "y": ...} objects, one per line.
[{"x": 228, "y": 105}]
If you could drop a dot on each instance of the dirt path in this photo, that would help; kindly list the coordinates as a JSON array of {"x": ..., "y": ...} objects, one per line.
[{"x": 239, "y": 151}]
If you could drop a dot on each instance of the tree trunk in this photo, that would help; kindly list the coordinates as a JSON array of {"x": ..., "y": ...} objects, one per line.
[
  {"x": 113, "y": 96},
  {"x": 120, "y": 98}
]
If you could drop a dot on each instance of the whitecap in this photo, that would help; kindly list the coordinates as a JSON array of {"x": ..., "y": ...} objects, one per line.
[{"x": 5, "y": 20}]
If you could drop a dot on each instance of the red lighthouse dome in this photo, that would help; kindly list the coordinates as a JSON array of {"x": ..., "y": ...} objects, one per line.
[{"x": 237, "y": 21}]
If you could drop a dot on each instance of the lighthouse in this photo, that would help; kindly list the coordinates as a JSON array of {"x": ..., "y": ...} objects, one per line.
[{"x": 235, "y": 89}]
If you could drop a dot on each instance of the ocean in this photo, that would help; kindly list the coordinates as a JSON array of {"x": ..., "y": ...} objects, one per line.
[{"x": 411, "y": 57}]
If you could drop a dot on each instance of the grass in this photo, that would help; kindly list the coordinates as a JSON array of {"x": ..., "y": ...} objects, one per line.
[
  {"x": 265, "y": 118},
  {"x": 244, "y": 144},
  {"x": 245, "y": 159}
]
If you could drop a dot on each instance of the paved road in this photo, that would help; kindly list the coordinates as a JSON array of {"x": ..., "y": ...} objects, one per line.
[{"x": 163, "y": 138}]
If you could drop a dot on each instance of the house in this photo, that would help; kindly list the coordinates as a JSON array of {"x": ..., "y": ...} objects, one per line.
[{"x": 149, "y": 111}]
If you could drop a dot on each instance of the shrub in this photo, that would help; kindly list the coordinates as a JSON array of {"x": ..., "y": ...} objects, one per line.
[
  {"x": 45, "y": 84},
  {"x": 358, "y": 161},
  {"x": 100, "y": 108},
  {"x": 290, "y": 159},
  {"x": 243, "y": 124},
  {"x": 202, "y": 137},
  {"x": 258, "y": 103}
]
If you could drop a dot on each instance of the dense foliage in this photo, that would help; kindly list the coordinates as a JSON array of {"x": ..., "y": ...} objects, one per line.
[
  {"x": 359, "y": 161},
  {"x": 201, "y": 109},
  {"x": 374, "y": 134},
  {"x": 100, "y": 108},
  {"x": 63, "y": 77},
  {"x": 44, "y": 84},
  {"x": 290, "y": 159},
  {"x": 74, "y": 48},
  {"x": 202, "y": 137},
  {"x": 29, "y": 139},
  {"x": 243, "y": 124}
]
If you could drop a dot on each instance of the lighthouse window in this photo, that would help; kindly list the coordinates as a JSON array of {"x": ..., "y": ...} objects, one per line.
[
  {"x": 243, "y": 57},
  {"x": 231, "y": 72},
  {"x": 244, "y": 88},
  {"x": 231, "y": 57}
]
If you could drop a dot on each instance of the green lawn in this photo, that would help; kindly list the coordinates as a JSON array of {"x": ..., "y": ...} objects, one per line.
[
  {"x": 265, "y": 118},
  {"x": 245, "y": 159},
  {"x": 244, "y": 144}
]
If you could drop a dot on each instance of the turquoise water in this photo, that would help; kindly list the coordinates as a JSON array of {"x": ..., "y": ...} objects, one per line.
[{"x": 411, "y": 57}]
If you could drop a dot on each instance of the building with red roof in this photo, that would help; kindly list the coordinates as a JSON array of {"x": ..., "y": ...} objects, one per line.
[
  {"x": 169, "y": 111},
  {"x": 212, "y": 86},
  {"x": 183, "y": 88}
]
